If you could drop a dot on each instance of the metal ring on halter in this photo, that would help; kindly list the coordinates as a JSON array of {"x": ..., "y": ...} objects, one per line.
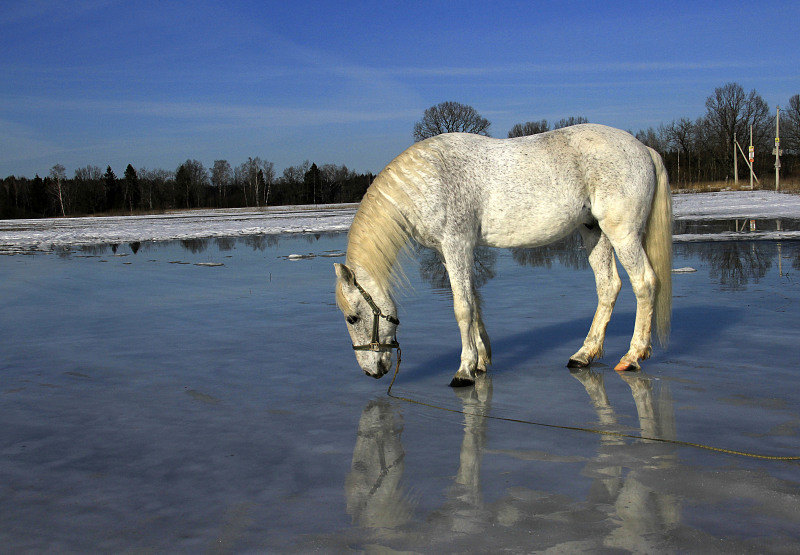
[{"x": 375, "y": 344}]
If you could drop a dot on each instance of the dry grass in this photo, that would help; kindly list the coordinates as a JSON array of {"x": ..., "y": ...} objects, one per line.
[{"x": 788, "y": 185}]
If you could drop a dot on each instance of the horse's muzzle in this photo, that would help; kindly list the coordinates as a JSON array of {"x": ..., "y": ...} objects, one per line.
[{"x": 382, "y": 369}]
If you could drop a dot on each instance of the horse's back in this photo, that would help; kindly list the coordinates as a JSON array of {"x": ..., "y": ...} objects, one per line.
[{"x": 529, "y": 190}]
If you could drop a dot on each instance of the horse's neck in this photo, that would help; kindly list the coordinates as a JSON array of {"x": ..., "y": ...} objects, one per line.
[{"x": 375, "y": 240}]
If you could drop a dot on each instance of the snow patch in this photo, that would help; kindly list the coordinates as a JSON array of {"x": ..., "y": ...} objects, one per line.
[{"x": 20, "y": 236}]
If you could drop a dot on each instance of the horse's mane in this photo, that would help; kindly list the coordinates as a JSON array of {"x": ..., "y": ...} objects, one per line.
[{"x": 380, "y": 232}]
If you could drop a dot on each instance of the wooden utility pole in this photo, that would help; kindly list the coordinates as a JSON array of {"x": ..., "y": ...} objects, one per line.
[
  {"x": 748, "y": 162},
  {"x": 752, "y": 156},
  {"x": 735, "y": 163},
  {"x": 778, "y": 149}
]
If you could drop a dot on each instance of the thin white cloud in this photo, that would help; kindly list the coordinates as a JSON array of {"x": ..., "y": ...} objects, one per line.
[{"x": 522, "y": 69}]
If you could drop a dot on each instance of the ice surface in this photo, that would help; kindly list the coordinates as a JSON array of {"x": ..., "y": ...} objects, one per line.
[
  {"x": 149, "y": 403},
  {"x": 44, "y": 234}
]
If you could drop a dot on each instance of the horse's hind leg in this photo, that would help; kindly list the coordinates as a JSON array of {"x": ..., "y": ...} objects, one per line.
[
  {"x": 628, "y": 246},
  {"x": 481, "y": 339},
  {"x": 601, "y": 259},
  {"x": 458, "y": 259}
]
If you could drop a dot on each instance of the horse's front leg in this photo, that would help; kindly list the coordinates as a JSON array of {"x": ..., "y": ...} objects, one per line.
[{"x": 458, "y": 259}]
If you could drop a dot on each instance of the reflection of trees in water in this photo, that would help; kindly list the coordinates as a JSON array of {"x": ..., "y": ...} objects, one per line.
[
  {"x": 735, "y": 225},
  {"x": 735, "y": 263},
  {"x": 568, "y": 251},
  {"x": 261, "y": 242},
  {"x": 62, "y": 251},
  {"x": 195, "y": 245},
  {"x": 433, "y": 270},
  {"x": 135, "y": 246},
  {"x": 256, "y": 242},
  {"x": 792, "y": 252},
  {"x": 93, "y": 249},
  {"x": 225, "y": 243}
]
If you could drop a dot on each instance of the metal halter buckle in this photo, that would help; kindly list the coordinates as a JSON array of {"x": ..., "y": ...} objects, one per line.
[{"x": 375, "y": 345}]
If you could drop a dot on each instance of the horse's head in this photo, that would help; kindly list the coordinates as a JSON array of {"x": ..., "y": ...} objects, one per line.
[{"x": 371, "y": 320}]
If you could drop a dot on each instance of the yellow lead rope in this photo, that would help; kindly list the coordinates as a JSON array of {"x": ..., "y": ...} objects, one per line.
[{"x": 587, "y": 430}]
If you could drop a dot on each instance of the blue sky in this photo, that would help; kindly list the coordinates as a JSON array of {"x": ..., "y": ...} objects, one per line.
[{"x": 154, "y": 83}]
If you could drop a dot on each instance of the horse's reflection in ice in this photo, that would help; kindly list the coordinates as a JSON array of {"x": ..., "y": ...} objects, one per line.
[
  {"x": 628, "y": 514},
  {"x": 374, "y": 495},
  {"x": 464, "y": 511},
  {"x": 642, "y": 512}
]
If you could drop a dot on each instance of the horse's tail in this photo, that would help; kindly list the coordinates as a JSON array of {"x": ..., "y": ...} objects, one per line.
[{"x": 658, "y": 246}]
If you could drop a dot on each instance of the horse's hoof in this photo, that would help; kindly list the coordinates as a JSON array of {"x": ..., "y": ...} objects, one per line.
[
  {"x": 462, "y": 382},
  {"x": 574, "y": 363},
  {"x": 625, "y": 367}
]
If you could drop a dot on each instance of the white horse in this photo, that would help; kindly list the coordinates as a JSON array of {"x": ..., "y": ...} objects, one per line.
[{"x": 455, "y": 191}]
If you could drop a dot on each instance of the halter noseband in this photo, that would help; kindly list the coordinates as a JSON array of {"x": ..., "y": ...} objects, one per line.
[{"x": 375, "y": 344}]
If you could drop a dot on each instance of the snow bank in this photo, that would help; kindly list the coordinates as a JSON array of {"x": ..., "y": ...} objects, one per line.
[
  {"x": 45, "y": 234},
  {"x": 735, "y": 204}
]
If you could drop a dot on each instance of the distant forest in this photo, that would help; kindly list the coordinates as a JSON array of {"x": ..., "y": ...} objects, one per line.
[
  {"x": 694, "y": 150},
  {"x": 191, "y": 185}
]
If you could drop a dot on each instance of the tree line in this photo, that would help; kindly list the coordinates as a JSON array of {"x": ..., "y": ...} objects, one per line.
[
  {"x": 702, "y": 149},
  {"x": 252, "y": 183},
  {"x": 694, "y": 150}
]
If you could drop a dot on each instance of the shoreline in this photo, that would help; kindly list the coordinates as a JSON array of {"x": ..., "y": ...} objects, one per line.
[{"x": 48, "y": 233}]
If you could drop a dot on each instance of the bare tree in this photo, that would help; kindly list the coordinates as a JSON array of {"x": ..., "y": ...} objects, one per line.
[
  {"x": 256, "y": 176},
  {"x": 730, "y": 113},
  {"x": 657, "y": 139},
  {"x": 529, "y": 128},
  {"x": 682, "y": 136},
  {"x": 246, "y": 175},
  {"x": 89, "y": 191},
  {"x": 192, "y": 177},
  {"x": 571, "y": 120},
  {"x": 221, "y": 177},
  {"x": 268, "y": 174},
  {"x": 449, "y": 117},
  {"x": 333, "y": 181},
  {"x": 58, "y": 176},
  {"x": 151, "y": 181},
  {"x": 791, "y": 128},
  {"x": 295, "y": 174}
]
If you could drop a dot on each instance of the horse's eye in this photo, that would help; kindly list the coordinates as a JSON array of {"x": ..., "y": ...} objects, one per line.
[{"x": 352, "y": 319}]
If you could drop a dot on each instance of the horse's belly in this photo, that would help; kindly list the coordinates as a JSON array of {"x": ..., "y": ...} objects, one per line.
[{"x": 528, "y": 228}]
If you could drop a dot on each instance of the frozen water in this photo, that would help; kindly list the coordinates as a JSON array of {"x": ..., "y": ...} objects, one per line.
[
  {"x": 46, "y": 234},
  {"x": 202, "y": 395}
]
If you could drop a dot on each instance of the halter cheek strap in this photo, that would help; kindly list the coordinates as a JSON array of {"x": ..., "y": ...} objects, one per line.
[{"x": 375, "y": 344}]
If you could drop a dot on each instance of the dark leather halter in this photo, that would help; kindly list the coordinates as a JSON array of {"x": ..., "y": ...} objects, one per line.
[{"x": 375, "y": 344}]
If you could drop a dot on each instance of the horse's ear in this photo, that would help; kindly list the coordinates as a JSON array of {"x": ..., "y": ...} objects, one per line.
[{"x": 344, "y": 274}]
